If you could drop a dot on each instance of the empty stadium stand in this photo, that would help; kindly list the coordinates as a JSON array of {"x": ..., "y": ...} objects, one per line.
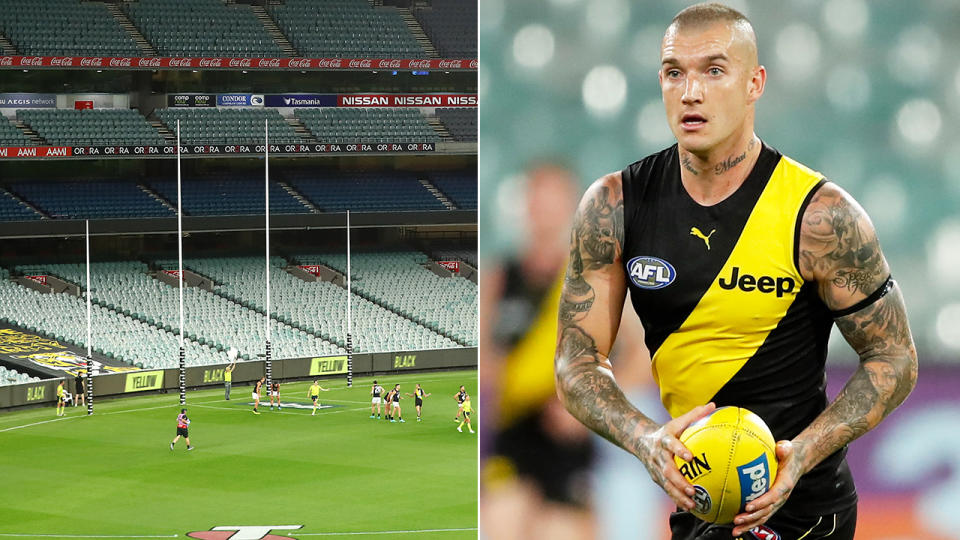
[
  {"x": 91, "y": 127},
  {"x": 459, "y": 187},
  {"x": 451, "y": 26},
  {"x": 227, "y": 126},
  {"x": 13, "y": 210},
  {"x": 11, "y": 136},
  {"x": 319, "y": 307},
  {"x": 349, "y": 125},
  {"x": 346, "y": 29},
  {"x": 199, "y": 28},
  {"x": 92, "y": 200},
  {"x": 399, "y": 282},
  {"x": 227, "y": 194},
  {"x": 467, "y": 256},
  {"x": 397, "y": 305},
  {"x": 461, "y": 123},
  {"x": 363, "y": 191},
  {"x": 64, "y": 27}
]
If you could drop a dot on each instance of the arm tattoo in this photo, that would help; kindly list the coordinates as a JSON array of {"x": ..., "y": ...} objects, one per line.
[
  {"x": 584, "y": 380},
  {"x": 840, "y": 248}
]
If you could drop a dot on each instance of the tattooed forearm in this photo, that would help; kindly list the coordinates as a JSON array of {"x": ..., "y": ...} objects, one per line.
[
  {"x": 887, "y": 374},
  {"x": 593, "y": 290},
  {"x": 685, "y": 160},
  {"x": 588, "y": 390}
]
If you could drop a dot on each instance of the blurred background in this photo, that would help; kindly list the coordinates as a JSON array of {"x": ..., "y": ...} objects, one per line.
[{"x": 868, "y": 93}]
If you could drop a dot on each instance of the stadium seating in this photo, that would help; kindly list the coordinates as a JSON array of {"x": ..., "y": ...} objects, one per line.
[
  {"x": 12, "y": 210},
  {"x": 144, "y": 316},
  {"x": 459, "y": 187},
  {"x": 363, "y": 191},
  {"x": 12, "y": 376},
  {"x": 399, "y": 282},
  {"x": 451, "y": 26},
  {"x": 80, "y": 200},
  {"x": 91, "y": 127},
  {"x": 11, "y": 136},
  {"x": 351, "y": 125},
  {"x": 318, "y": 306},
  {"x": 346, "y": 29},
  {"x": 228, "y": 194},
  {"x": 198, "y": 28},
  {"x": 461, "y": 123},
  {"x": 228, "y": 126},
  {"x": 467, "y": 256},
  {"x": 64, "y": 28}
]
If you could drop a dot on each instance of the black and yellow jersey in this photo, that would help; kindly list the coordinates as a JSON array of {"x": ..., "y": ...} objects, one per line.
[{"x": 727, "y": 315}]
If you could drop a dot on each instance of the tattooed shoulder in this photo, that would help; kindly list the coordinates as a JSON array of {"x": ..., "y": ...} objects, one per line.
[
  {"x": 839, "y": 248},
  {"x": 597, "y": 238}
]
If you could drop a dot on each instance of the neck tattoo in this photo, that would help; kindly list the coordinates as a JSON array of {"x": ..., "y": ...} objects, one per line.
[
  {"x": 733, "y": 161},
  {"x": 689, "y": 166}
]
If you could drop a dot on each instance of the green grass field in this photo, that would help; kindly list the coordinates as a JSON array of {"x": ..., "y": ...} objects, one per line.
[{"x": 339, "y": 474}]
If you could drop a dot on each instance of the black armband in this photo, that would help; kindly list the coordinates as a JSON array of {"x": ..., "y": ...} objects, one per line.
[{"x": 881, "y": 291}]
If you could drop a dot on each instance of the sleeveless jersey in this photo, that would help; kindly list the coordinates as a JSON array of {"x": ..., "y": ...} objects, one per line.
[
  {"x": 419, "y": 393},
  {"x": 182, "y": 421},
  {"x": 727, "y": 314},
  {"x": 376, "y": 390},
  {"x": 396, "y": 396}
]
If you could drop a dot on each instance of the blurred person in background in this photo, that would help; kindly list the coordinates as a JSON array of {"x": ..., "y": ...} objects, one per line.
[
  {"x": 685, "y": 230},
  {"x": 538, "y": 462}
]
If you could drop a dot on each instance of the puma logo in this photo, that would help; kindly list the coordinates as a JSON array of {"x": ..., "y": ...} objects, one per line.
[{"x": 706, "y": 238}]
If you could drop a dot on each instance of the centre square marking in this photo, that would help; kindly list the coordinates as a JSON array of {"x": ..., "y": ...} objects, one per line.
[{"x": 244, "y": 532}]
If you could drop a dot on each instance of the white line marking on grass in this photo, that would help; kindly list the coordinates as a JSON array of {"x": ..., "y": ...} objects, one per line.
[
  {"x": 101, "y": 414},
  {"x": 384, "y": 532},
  {"x": 85, "y": 536}
]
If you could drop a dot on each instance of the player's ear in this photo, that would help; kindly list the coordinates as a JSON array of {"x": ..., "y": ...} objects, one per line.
[{"x": 757, "y": 83}]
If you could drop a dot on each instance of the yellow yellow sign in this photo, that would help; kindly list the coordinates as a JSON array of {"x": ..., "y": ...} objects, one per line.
[
  {"x": 144, "y": 380},
  {"x": 331, "y": 365}
]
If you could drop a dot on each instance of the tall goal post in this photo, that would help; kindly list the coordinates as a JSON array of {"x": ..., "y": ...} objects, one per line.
[
  {"x": 181, "y": 361},
  {"x": 349, "y": 313},
  {"x": 268, "y": 364},
  {"x": 89, "y": 370}
]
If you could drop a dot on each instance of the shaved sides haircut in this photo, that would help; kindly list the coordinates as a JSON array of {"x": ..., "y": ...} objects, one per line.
[{"x": 700, "y": 16}]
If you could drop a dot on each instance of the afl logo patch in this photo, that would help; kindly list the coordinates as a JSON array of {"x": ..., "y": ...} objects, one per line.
[{"x": 650, "y": 272}]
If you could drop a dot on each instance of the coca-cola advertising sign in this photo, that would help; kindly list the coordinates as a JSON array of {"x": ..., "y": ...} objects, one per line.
[
  {"x": 453, "y": 266},
  {"x": 329, "y": 63}
]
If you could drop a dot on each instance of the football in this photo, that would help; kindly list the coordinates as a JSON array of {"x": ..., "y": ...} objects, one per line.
[{"x": 734, "y": 462}]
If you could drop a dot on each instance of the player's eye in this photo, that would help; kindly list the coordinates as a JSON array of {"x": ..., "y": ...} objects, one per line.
[{"x": 715, "y": 71}]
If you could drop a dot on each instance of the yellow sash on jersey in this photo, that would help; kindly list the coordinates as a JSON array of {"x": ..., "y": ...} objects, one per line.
[{"x": 727, "y": 326}]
